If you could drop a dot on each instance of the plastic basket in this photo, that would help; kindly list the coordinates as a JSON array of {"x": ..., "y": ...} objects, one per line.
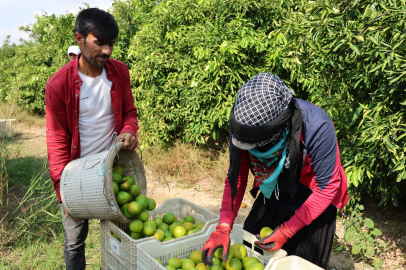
[
  {"x": 294, "y": 263},
  {"x": 148, "y": 251},
  {"x": 87, "y": 186},
  {"x": 123, "y": 254}
]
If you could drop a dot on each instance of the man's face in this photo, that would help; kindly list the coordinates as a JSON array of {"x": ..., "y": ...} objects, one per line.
[
  {"x": 72, "y": 56},
  {"x": 95, "y": 52}
]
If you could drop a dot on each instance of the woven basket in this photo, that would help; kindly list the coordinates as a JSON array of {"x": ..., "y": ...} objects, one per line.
[{"x": 86, "y": 184}]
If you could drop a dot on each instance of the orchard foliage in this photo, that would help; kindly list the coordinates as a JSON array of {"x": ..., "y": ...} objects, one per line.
[{"x": 188, "y": 59}]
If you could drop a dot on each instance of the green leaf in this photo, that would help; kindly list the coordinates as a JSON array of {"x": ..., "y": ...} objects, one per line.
[
  {"x": 376, "y": 232},
  {"x": 349, "y": 236},
  {"x": 356, "y": 248},
  {"x": 403, "y": 102},
  {"x": 369, "y": 223},
  {"x": 354, "y": 48},
  {"x": 395, "y": 199},
  {"x": 370, "y": 252},
  {"x": 377, "y": 263},
  {"x": 363, "y": 245}
]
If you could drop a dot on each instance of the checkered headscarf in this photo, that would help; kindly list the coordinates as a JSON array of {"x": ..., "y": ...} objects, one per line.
[{"x": 261, "y": 100}]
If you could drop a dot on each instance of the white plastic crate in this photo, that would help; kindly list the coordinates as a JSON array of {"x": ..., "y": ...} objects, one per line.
[
  {"x": 87, "y": 185},
  {"x": 123, "y": 255},
  {"x": 148, "y": 251},
  {"x": 294, "y": 263}
]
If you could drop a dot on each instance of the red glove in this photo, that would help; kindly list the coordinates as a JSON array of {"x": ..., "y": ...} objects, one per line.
[
  {"x": 218, "y": 239},
  {"x": 277, "y": 239}
]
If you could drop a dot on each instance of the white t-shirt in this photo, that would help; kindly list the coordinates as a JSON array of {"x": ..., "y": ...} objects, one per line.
[{"x": 96, "y": 115}]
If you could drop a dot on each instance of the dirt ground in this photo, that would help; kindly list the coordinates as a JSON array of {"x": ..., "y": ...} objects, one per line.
[{"x": 391, "y": 220}]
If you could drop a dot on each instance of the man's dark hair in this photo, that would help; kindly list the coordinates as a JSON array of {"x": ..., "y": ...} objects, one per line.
[{"x": 98, "y": 22}]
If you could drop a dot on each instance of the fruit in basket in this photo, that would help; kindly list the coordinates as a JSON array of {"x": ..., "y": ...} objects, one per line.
[
  {"x": 123, "y": 198},
  {"x": 134, "y": 208},
  {"x": 117, "y": 177},
  {"x": 129, "y": 179},
  {"x": 173, "y": 226},
  {"x": 168, "y": 234},
  {"x": 143, "y": 200},
  {"x": 217, "y": 267},
  {"x": 216, "y": 261},
  {"x": 167, "y": 239},
  {"x": 136, "y": 235},
  {"x": 143, "y": 216},
  {"x": 256, "y": 266},
  {"x": 135, "y": 191},
  {"x": 151, "y": 204},
  {"x": 224, "y": 264},
  {"x": 188, "y": 226},
  {"x": 233, "y": 264},
  {"x": 265, "y": 231},
  {"x": 116, "y": 189},
  {"x": 169, "y": 218},
  {"x": 247, "y": 261},
  {"x": 196, "y": 256},
  {"x": 115, "y": 236},
  {"x": 163, "y": 226},
  {"x": 125, "y": 186},
  {"x": 187, "y": 264},
  {"x": 174, "y": 262},
  {"x": 201, "y": 266},
  {"x": 125, "y": 211},
  {"x": 159, "y": 234},
  {"x": 136, "y": 226},
  {"x": 158, "y": 260},
  {"x": 158, "y": 221},
  {"x": 193, "y": 231},
  {"x": 118, "y": 169},
  {"x": 149, "y": 228},
  {"x": 219, "y": 253},
  {"x": 239, "y": 251},
  {"x": 199, "y": 225},
  {"x": 189, "y": 219},
  {"x": 168, "y": 267},
  {"x": 179, "y": 231}
]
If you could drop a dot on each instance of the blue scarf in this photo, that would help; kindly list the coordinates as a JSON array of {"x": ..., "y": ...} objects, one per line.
[{"x": 268, "y": 159}]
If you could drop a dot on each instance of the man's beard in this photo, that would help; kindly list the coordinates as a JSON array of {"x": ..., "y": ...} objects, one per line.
[{"x": 92, "y": 60}]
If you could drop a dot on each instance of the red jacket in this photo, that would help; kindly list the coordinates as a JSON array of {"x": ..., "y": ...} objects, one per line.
[{"x": 62, "y": 112}]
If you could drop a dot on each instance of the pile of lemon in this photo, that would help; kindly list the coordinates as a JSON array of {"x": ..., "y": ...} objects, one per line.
[{"x": 237, "y": 260}]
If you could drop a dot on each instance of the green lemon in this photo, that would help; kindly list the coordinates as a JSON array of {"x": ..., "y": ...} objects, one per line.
[
  {"x": 187, "y": 264},
  {"x": 168, "y": 234},
  {"x": 151, "y": 204},
  {"x": 169, "y": 218},
  {"x": 137, "y": 235},
  {"x": 143, "y": 200},
  {"x": 174, "y": 262},
  {"x": 123, "y": 198},
  {"x": 143, "y": 216},
  {"x": 159, "y": 234},
  {"x": 233, "y": 264},
  {"x": 136, "y": 225},
  {"x": 196, "y": 256},
  {"x": 158, "y": 221},
  {"x": 129, "y": 179},
  {"x": 134, "y": 208},
  {"x": 256, "y": 266},
  {"x": 239, "y": 251},
  {"x": 125, "y": 211},
  {"x": 135, "y": 191},
  {"x": 179, "y": 232},
  {"x": 149, "y": 228},
  {"x": 163, "y": 226},
  {"x": 118, "y": 169},
  {"x": 158, "y": 260},
  {"x": 125, "y": 186},
  {"x": 189, "y": 219},
  {"x": 116, "y": 189},
  {"x": 168, "y": 267},
  {"x": 117, "y": 177}
]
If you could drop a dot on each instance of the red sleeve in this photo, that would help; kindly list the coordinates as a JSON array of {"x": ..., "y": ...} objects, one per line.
[
  {"x": 58, "y": 138},
  {"x": 319, "y": 200},
  {"x": 130, "y": 123},
  {"x": 226, "y": 214}
]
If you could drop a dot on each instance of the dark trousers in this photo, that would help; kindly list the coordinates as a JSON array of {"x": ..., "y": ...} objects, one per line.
[
  {"x": 312, "y": 242},
  {"x": 75, "y": 236}
]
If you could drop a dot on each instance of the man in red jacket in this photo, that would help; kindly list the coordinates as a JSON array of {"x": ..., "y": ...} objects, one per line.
[{"x": 86, "y": 102}]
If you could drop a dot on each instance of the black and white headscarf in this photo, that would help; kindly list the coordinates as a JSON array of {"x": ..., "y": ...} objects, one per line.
[{"x": 264, "y": 110}]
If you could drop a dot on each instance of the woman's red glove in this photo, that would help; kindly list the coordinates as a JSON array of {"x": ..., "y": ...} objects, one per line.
[
  {"x": 277, "y": 239},
  {"x": 218, "y": 239}
]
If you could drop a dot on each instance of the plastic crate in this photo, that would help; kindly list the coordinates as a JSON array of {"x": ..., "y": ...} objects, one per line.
[
  {"x": 123, "y": 255},
  {"x": 87, "y": 185},
  {"x": 294, "y": 263},
  {"x": 148, "y": 251}
]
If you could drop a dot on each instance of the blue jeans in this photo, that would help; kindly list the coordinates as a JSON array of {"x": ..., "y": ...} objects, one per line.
[{"x": 75, "y": 236}]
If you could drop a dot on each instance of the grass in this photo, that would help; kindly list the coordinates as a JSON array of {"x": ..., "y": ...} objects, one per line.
[{"x": 12, "y": 111}]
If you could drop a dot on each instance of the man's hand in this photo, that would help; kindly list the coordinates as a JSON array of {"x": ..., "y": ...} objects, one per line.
[
  {"x": 130, "y": 141},
  {"x": 67, "y": 215}
]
